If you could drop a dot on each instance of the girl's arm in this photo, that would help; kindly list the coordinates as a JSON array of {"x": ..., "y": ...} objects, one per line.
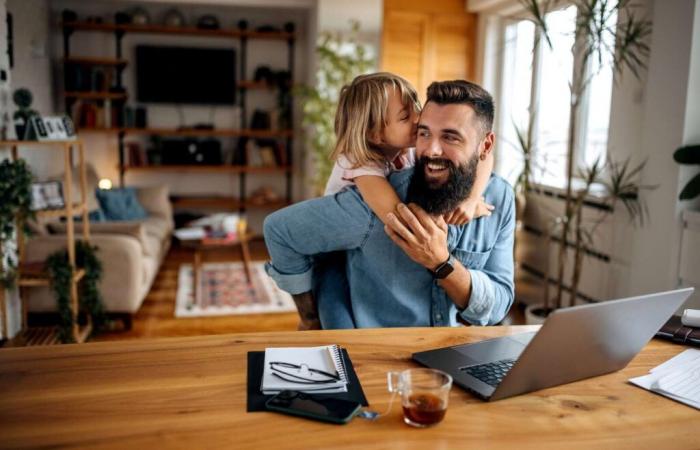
[
  {"x": 474, "y": 206},
  {"x": 378, "y": 193}
]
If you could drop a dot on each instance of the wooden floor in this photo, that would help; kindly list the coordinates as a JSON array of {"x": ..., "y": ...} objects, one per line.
[{"x": 156, "y": 317}]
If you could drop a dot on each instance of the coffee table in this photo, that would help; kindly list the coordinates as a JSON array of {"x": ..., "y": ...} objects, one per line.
[{"x": 202, "y": 246}]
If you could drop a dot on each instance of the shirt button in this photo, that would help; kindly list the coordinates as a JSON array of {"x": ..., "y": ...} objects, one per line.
[{"x": 438, "y": 317}]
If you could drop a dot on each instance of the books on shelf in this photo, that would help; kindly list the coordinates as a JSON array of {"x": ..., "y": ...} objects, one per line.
[{"x": 306, "y": 369}]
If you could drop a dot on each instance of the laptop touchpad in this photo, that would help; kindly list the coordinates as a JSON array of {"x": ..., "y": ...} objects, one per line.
[{"x": 492, "y": 350}]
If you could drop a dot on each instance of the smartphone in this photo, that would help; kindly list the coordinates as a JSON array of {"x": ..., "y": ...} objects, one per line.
[{"x": 333, "y": 410}]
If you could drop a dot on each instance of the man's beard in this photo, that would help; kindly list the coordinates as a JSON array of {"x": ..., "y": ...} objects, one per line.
[{"x": 437, "y": 200}]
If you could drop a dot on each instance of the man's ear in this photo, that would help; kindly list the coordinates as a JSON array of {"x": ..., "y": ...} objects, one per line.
[{"x": 487, "y": 145}]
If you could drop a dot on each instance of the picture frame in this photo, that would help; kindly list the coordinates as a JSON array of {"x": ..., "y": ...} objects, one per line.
[{"x": 47, "y": 195}]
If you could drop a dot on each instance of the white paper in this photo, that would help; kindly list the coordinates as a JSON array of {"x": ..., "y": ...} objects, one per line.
[
  {"x": 186, "y": 234},
  {"x": 317, "y": 357},
  {"x": 678, "y": 378}
]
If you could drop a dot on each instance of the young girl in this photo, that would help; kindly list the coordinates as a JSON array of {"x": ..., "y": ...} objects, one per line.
[{"x": 375, "y": 127}]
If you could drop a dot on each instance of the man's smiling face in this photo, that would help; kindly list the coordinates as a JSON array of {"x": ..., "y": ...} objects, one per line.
[
  {"x": 449, "y": 142},
  {"x": 451, "y": 133}
]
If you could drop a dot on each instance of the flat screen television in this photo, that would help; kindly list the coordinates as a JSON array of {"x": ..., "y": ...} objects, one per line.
[{"x": 185, "y": 75}]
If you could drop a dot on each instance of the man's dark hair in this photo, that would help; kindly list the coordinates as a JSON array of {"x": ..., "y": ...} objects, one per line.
[{"x": 465, "y": 93}]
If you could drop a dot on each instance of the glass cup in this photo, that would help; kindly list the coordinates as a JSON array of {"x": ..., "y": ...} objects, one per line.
[{"x": 424, "y": 395}]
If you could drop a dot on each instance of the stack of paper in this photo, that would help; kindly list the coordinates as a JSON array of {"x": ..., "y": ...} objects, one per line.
[
  {"x": 290, "y": 370},
  {"x": 678, "y": 378}
]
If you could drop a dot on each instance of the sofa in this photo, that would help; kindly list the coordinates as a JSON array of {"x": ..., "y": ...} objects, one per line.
[{"x": 131, "y": 253}]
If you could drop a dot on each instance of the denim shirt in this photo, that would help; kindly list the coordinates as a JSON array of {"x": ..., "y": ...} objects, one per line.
[{"x": 387, "y": 288}]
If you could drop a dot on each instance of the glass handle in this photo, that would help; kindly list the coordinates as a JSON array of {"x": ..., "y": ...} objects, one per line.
[{"x": 393, "y": 383}]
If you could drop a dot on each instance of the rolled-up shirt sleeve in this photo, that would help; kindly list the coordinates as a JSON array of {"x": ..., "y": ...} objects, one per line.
[
  {"x": 295, "y": 234},
  {"x": 493, "y": 287}
]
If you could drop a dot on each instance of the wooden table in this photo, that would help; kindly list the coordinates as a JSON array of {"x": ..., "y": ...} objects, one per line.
[
  {"x": 191, "y": 393},
  {"x": 200, "y": 246}
]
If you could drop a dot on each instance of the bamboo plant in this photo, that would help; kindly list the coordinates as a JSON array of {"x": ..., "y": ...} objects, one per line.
[{"x": 595, "y": 26}]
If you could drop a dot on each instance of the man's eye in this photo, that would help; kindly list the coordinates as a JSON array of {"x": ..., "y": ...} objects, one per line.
[
  {"x": 450, "y": 138},
  {"x": 423, "y": 133}
]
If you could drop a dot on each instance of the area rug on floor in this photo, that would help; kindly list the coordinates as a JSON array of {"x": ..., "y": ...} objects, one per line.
[{"x": 224, "y": 290}]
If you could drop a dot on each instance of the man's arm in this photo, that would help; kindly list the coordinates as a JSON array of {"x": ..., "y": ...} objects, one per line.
[{"x": 483, "y": 296}]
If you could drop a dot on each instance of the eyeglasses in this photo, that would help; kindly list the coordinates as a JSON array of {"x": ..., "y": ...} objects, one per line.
[{"x": 301, "y": 373}]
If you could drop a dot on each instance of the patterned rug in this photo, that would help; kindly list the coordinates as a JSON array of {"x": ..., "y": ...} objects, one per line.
[{"x": 224, "y": 290}]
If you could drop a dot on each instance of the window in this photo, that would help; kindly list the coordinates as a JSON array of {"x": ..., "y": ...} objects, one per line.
[
  {"x": 515, "y": 94},
  {"x": 539, "y": 82},
  {"x": 552, "y": 101}
]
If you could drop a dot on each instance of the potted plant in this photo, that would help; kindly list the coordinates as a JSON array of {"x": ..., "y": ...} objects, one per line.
[
  {"x": 618, "y": 185},
  {"x": 595, "y": 25},
  {"x": 689, "y": 154},
  {"x": 340, "y": 59},
  {"x": 23, "y": 99}
]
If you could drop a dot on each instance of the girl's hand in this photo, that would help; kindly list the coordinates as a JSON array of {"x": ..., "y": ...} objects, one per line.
[{"x": 469, "y": 210}]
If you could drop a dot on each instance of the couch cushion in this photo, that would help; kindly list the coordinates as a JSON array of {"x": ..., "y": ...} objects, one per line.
[
  {"x": 158, "y": 227},
  {"x": 120, "y": 204},
  {"x": 152, "y": 247},
  {"x": 134, "y": 229},
  {"x": 156, "y": 200}
]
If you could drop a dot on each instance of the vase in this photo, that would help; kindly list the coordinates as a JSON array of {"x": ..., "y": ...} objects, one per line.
[{"x": 536, "y": 314}]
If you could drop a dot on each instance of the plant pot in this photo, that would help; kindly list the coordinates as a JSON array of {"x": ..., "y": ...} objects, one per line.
[{"x": 536, "y": 314}]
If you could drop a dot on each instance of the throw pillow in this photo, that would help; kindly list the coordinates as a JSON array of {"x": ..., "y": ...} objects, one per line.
[{"x": 120, "y": 204}]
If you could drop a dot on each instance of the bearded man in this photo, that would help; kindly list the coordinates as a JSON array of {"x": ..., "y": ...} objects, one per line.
[{"x": 416, "y": 270}]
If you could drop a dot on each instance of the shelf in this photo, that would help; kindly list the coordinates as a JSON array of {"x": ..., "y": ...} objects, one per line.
[
  {"x": 35, "y": 336},
  {"x": 61, "y": 212},
  {"x": 193, "y": 132},
  {"x": 208, "y": 169},
  {"x": 95, "y": 95},
  {"x": 34, "y": 143},
  {"x": 224, "y": 202},
  {"x": 243, "y": 132},
  {"x": 192, "y": 31},
  {"x": 88, "y": 61},
  {"x": 32, "y": 275}
]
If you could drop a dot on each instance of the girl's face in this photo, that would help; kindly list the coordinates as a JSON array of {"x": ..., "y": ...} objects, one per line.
[{"x": 399, "y": 132}]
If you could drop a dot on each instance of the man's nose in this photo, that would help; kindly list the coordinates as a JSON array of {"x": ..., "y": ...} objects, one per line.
[{"x": 434, "y": 148}]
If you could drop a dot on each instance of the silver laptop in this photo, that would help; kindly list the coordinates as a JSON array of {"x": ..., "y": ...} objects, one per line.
[{"x": 573, "y": 344}]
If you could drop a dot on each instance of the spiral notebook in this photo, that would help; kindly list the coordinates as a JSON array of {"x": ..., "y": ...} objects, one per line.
[{"x": 327, "y": 358}]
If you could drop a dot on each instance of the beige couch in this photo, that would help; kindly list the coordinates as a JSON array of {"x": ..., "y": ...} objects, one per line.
[{"x": 131, "y": 254}]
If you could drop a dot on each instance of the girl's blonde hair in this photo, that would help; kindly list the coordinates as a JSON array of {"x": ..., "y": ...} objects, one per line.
[{"x": 362, "y": 112}]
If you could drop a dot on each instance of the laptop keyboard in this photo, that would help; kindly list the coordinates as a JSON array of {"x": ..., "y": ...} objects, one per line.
[{"x": 490, "y": 373}]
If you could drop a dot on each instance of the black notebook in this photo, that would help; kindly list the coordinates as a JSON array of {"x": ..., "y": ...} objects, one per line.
[{"x": 256, "y": 399}]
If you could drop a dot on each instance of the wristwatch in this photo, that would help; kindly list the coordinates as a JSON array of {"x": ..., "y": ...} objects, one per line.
[{"x": 444, "y": 269}]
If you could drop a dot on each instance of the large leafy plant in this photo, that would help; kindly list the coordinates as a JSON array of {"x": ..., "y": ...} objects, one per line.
[{"x": 340, "y": 59}]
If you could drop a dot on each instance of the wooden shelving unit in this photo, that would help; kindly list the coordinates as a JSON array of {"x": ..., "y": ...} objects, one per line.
[
  {"x": 95, "y": 95},
  {"x": 87, "y": 61},
  {"x": 163, "y": 29},
  {"x": 32, "y": 274},
  {"x": 210, "y": 169},
  {"x": 243, "y": 85}
]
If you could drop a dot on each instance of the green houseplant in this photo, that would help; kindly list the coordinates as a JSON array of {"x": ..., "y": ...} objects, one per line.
[
  {"x": 595, "y": 26},
  {"x": 340, "y": 59},
  {"x": 23, "y": 99},
  {"x": 15, "y": 209},
  {"x": 689, "y": 154},
  {"x": 61, "y": 273}
]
